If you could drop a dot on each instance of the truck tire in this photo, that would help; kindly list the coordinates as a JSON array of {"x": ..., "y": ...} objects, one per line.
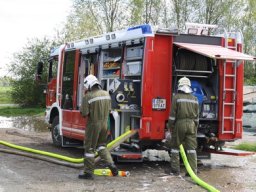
[{"x": 56, "y": 137}]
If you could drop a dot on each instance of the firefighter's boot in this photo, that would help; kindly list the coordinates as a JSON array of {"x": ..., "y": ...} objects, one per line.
[
  {"x": 105, "y": 155},
  {"x": 175, "y": 162},
  {"x": 84, "y": 175},
  {"x": 171, "y": 172},
  {"x": 113, "y": 169}
]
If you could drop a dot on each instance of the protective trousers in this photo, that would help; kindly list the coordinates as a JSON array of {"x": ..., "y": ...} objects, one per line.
[
  {"x": 95, "y": 141},
  {"x": 184, "y": 133}
]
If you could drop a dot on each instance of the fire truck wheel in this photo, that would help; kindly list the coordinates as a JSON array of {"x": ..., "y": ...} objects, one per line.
[{"x": 56, "y": 137}]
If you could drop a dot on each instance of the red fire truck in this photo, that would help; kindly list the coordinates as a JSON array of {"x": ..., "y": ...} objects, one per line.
[{"x": 140, "y": 67}]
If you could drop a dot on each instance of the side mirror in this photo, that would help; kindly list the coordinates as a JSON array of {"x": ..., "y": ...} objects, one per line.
[{"x": 39, "y": 71}]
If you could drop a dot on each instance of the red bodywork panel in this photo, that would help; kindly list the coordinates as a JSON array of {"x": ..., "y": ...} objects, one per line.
[
  {"x": 156, "y": 83},
  {"x": 51, "y": 92},
  {"x": 239, "y": 97},
  {"x": 78, "y": 125},
  {"x": 66, "y": 122}
]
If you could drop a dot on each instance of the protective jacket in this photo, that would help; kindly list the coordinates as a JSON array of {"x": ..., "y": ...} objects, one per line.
[
  {"x": 184, "y": 106},
  {"x": 96, "y": 104}
]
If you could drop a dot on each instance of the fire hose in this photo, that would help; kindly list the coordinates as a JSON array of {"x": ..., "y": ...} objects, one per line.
[
  {"x": 192, "y": 174},
  {"x": 64, "y": 160}
]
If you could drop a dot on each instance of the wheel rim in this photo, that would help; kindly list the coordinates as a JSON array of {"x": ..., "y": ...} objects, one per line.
[{"x": 56, "y": 133}]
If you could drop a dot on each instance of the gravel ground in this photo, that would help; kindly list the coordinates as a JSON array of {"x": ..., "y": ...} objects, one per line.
[{"x": 17, "y": 173}]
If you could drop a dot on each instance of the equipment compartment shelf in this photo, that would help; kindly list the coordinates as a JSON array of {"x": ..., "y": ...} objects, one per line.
[
  {"x": 131, "y": 75},
  {"x": 111, "y": 68},
  {"x": 127, "y": 110},
  {"x": 111, "y": 59},
  {"x": 133, "y": 58},
  {"x": 111, "y": 65},
  {"x": 110, "y": 76}
]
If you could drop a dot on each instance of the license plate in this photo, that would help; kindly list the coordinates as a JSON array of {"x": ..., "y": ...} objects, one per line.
[{"x": 159, "y": 104}]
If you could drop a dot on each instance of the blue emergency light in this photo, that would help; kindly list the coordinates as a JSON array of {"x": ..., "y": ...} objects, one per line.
[{"x": 146, "y": 29}]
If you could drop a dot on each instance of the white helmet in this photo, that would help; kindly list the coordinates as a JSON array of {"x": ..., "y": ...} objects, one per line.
[
  {"x": 90, "y": 81},
  {"x": 184, "y": 81},
  {"x": 184, "y": 85}
]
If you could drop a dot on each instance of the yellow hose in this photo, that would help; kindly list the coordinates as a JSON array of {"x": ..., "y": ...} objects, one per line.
[
  {"x": 193, "y": 175},
  {"x": 45, "y": 153},
  {"x": 110, "y": 146},
  {"x": 43, "y": 158},
  {"x": 108, "y": 172}
]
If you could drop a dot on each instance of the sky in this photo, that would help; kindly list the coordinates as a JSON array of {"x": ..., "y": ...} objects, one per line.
[{"x": 21, "y": 20}]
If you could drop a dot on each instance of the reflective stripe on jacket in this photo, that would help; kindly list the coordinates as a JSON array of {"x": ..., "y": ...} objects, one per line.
[
  {"x": 184, "y": 106},
  {"x": 96, "y": 104}
]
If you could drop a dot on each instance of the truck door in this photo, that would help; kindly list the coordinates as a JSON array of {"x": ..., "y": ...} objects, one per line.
[
  {"x": 67, "y": 92},
  {"x": 87, "y": 65}
]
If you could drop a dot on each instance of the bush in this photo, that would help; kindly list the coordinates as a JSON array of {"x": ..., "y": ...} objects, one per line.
[{"x": 25, "y": 90}]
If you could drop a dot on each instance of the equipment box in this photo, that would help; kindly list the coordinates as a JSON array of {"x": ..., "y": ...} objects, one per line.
[
  {"x": 134, "y": 68},
  {"x": 134, "y": 52}
]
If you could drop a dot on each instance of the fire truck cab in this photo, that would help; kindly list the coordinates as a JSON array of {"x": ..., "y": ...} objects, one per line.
[{"x": 140, "y": 68}]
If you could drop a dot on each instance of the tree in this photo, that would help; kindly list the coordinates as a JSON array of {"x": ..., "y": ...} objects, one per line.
[
  {"x": 5, "y": 81},
  {"x": 180, "y": 8},
  {"x": 93, "y": 17},
  {"x": 25, "y": 90},
  {"x": 146, "y": 11},
  {"x": 248, "y": 25},
  {"x": 136, "y": 12},
  {"x": 80, "y": 23}
]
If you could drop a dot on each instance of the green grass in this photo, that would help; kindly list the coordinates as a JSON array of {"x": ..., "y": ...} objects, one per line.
[
  {"x": 5, "y": 97},
  {"x": 20, "y": 111},
  {"x": 8, "y": 111},
  {"x": 246, "y": 147}
]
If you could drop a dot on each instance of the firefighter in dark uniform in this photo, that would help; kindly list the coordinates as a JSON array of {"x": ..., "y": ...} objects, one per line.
[
  {"x": 183, "y": 121},
  {"x": 96, "y": 104}
]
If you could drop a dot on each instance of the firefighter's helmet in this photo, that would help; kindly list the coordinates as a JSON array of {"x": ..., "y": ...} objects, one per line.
[
  {"x": 184, "y": 85},
  {"x": 184, "y": 81},
  {"x": 90, "y": 81}
]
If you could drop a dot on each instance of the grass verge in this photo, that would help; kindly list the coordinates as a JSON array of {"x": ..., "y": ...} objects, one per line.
[
  {"x": 20, "y": 111},
  {"x": 246, "y": 147},
  {"x": 5, "y": 97}
]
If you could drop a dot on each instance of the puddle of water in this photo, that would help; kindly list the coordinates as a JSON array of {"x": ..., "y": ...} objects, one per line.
[{"x": 26, "y": 123}]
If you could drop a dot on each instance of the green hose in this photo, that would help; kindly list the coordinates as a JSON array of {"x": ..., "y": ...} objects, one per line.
[
  {"x": 193, "y": 175},
  {"x": 110, "y": 146}
]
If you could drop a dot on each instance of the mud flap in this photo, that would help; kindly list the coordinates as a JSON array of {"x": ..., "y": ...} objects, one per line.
[
  {"x": 228, "y": 151},
  {"x": 128, "y": 156}
]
